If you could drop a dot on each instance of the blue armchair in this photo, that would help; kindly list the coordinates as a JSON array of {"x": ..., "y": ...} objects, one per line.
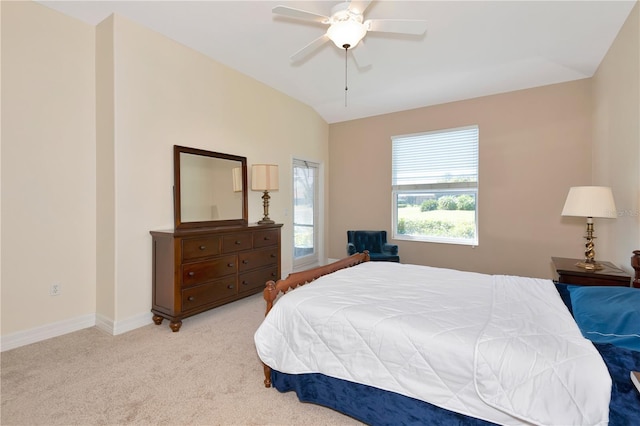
[{"x": 373, "y": 241}]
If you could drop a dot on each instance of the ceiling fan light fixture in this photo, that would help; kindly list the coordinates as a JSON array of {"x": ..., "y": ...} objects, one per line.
[{"x": 346, "y": 33}]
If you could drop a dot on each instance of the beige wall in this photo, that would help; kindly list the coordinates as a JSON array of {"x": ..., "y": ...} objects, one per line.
[
  {"x": 105, "y": 176},
  {"x": 48, "y": 167},
  {"x": 616, "y": 148},
  {"x": 76, "y": 188},
  {"x": 534, "y": 144},
  {"x": 166, "y": 94}
]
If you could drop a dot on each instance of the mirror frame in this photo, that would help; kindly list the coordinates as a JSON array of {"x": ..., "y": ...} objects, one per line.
[{"x": 177, "y": 150}]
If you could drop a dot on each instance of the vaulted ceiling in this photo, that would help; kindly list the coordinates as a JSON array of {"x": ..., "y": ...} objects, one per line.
[{"x": 471, "y": 48}]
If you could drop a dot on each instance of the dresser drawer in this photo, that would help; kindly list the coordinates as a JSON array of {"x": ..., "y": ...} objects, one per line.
[
  {"x": 237, "y": 242},
  {"x": 195, "y": 248},
  {"x": 204, "y": 294},
  {"x": 265, "y": 238},
  {"x": 250, "y": 281},
  {"x": 199, "y": 272},
  {"x": 258, "y": 258}
]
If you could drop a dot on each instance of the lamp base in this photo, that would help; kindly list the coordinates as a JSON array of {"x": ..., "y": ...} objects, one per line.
[
  {"x": 265, "y": 204},
  {"x": 590, "y": 266}
]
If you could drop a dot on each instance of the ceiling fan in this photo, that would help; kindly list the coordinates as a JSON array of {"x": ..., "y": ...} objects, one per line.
[{"x": 347, "y": 28}]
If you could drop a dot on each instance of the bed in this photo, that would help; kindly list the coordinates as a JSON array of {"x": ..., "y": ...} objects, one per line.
[{"x": 509, "y": 352}]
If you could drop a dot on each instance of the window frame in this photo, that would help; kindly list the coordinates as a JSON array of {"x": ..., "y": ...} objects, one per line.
[
  {"x": 312, "y": 259},
  {"x": 443, "y": 188}
]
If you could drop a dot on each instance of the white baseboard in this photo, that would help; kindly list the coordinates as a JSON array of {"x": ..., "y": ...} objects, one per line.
[
  {"x": 132, "y": 323},
  {"x": 105, "y": 324},
  {"x": 38, "y": 334},
  {"x": 22, "y": 338},
  {"x": 119, "y": 327}
]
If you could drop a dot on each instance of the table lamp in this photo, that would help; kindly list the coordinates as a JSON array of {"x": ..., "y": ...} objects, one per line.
[
  {"x": 264, "y": 177},
  {"x": 590, "y": 202}
]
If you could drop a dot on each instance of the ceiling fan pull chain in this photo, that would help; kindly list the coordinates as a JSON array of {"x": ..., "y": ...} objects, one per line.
[{"x": 346, "y": 49}]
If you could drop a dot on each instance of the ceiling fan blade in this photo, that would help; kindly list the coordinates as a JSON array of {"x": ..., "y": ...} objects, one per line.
[
  {"x": 361, "y": 55},
  {"x": 359, "y": 6},
  {"x": 299, "y": 14},
  {"x": 398, "y": 26},
  {"x": 309, "y": 48}
]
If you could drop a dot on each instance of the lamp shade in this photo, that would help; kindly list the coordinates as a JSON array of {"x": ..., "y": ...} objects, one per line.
[
  {"x": 264, "y": 177},
  {"x": 236, "y": 174},
  {"x": 590, "y": 201}
]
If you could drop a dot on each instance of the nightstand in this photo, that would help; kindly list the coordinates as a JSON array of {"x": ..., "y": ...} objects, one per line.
[{"x": 609, "y": 275}]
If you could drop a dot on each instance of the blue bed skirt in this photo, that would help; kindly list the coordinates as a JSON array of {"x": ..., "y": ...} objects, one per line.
[
  {"x": 367, "y": 404},
  {"x": 379, "y": 407}
]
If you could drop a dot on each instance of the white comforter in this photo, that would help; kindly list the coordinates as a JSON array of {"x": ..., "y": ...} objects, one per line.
[{"x": 500, "y": 348}]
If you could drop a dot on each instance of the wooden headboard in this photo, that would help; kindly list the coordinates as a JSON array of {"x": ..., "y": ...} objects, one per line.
[
  {"x": 296, "y": 279},
  {"x": 635, "y": 264}
]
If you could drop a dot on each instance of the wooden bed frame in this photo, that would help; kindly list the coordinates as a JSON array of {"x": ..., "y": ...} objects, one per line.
[
  {"x": 635, "y": 264},
  {"x": 296, "y": 279}
]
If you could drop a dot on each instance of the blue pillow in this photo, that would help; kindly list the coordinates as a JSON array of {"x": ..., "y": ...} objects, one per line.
[{"x": 608, "y": 314}]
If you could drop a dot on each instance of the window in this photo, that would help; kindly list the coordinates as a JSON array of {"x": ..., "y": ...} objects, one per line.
[
  {"x": 435, "y": 186},
  {"x": 305, "y": 213}
]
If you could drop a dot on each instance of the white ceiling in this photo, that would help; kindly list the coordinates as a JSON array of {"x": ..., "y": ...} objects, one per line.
[{"x": 471, "y": 49}]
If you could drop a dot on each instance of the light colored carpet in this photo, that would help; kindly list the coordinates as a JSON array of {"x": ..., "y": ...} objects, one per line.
[{"x": 206, "y": 374}]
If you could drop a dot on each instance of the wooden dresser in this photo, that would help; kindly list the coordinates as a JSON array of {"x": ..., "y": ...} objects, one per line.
[{"x": 195, "y": 270}]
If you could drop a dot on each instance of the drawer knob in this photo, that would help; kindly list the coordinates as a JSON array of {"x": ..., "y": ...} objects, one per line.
[
  {"x": 273, "y": 255},
  {"x": 191, "y": 298},
  {"x": 230, "y": 265},
  {"x": 245, "y": 261},
  {"x": 267, "y": 238},
  {"x": 202, "y": 247},
  {"x": 191, "y": 273},
  {"x": 273, "y": 274},
  {"x": 245, "y": 282},
  {"x": 230, "y": 286},
  {"x": 238, "y": 242}
]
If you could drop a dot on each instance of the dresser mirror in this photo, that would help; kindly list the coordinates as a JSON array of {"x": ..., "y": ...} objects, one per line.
[{"x": 210, "y": 188}]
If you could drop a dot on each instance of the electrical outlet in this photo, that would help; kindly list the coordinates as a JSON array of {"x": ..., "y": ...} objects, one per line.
[{"x": 55, "y": 289}]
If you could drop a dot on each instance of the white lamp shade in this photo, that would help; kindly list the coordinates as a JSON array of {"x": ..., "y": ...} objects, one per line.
[
  {"x": 590, "y": 201},
  {"x": 236, "y": 173},
  {"x": 346, "y": 32},
  {"x": 264, "y": 177}
]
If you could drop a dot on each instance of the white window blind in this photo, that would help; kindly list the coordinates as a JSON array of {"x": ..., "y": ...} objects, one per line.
[
  {"x": 435, "y": 186},
  {"x": 439, "y": 157}
]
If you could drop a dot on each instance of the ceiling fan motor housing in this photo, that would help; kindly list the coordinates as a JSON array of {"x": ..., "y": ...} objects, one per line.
[{"x": 341, "y": 12}]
